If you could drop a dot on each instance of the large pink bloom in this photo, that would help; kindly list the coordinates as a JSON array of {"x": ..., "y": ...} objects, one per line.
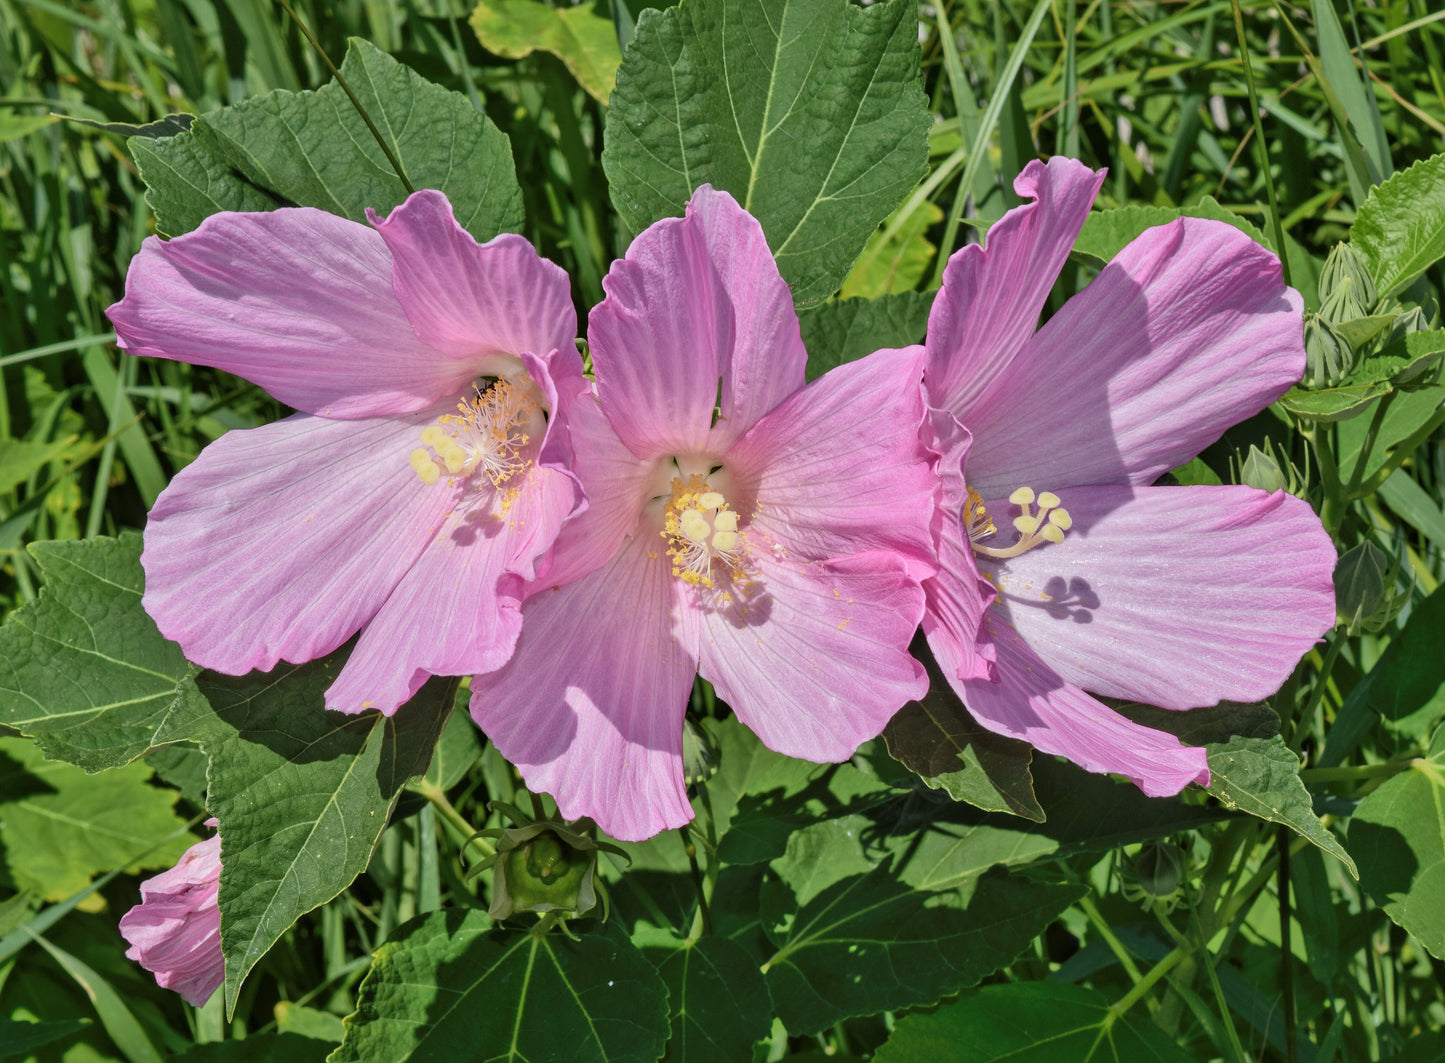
[
  {"x": 1176, "y": 596},
  {"x": 771, "y": 537},
  {"x": 413, "y": 495},
  {"x": 175, "y": 931}
]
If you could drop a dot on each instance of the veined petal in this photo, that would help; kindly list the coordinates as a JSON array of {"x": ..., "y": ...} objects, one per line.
[
  {"x": 696, "y": 316},
  {"x": 1187, "y": 331},
  {"x": 1028, "y": 700},
  {"x": 280, "y": 542},
  {"x": 298, "y": 301},
  {"x": 1176, "y": 596},
  {"x": 616, "y": 485},
  {"x": 814, "y": 658},
  {"x": 839, "y": 467},
  {"x": 471, "y": 300},
  {"x": 989, "y": 305},
  {"x": 590, "y": 707},
  {"x": 957, "y": 596},
  {"x": 457, "y": 610}
]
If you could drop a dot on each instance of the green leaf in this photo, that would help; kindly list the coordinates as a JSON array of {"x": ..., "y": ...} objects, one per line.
[
  {"x": 260, "y": 1048},
  {"x": 449, "y": 986},
  {"x": 870, "y": 943},
  {"x": 583, "y": 39},
  {"x": 1400, "y": 228},
  {"x": 1415, "y": 506},
  {"x": 1251, "y": 769},
  {"x": 14, "y": 126},
  {"x": 20, "y": 1037},
  {"x": 122, "y": 1026},
  {"x": 889, "y": 266},
  {"x": 86, "y": 674},
  {"x": 458, "y": 749},
  {"x": 717, "y": 997},
  {"x": 313, "y": 149},
  {"x": 1333, "y": 404},
  {"x": 1398, "y": 833},
  {"x": 939, "y": 740},
  {"x": 842, "y": 330},
  {"x": 20, "y": 459},
  {"x": 1028, "y": 1022},
  {"x": 301, "y": 794},
  {"x": 60, "y": 826},
  {"x": 1403, "y": 360},
  {"x": 1106, "y": 232},
  {"x": 810, "y": 112},
  {"x": 1409, "y": 411},
  {"x": 309, "y": 1022},
  {"x": 1407, "y": 683}
]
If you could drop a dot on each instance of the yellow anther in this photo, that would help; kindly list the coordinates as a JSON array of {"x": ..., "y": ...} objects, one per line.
[
  {"x": 486, "y": 434},
  {"x": 1026, "y": 525},
  {"x": 1060, "y": 519},
  {"x": 1052, "y": 532},
  {"x": 726, "y": 521},
  {"x": 724, "y": 541},
  {"x": 433, "y": 436},
  {"x": 711, "y": 500},
  {"x": 1048, "y": 500},
  {"x": 1022, "y": 496},
  {"x": 425, "y": 468},
  {"x": 700, "y": 529}
]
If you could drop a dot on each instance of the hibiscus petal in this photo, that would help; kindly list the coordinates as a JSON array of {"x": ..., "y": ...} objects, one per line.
[
  {"x": 1176, "y": 596},
  {"x": 695, "y": 315},
  {"x": 1189, "y": 330},
  {"x": 814, "y": 657},
  {"x": 839, "y": 468},
  {"x": 457, "y": 610},
  {"x": 1028, "y": 700},
  {"x": 298, "y": 301},
  {"x": 590, "y": 706},
  {"x": 957, "y": 596},
  {"x": 471, "y": 300},
  {"x": 280, "y": 542},
  {"x": 989, "y": 305}
]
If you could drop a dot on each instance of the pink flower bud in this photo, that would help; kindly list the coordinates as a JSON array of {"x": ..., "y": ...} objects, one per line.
[{"x": 175, "y": 932}]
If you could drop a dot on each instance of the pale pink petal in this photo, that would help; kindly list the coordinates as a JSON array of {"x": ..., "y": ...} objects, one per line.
[
  {"x": 175, "y": 932},
  {"x": 471, "y": 300},
  {"x": 298, "y": 301},
  {"x": 617, "y": 487},
  {"x": 957, "y": 596},
  {"x": 457, "y": 610},
  {"x": 1029, "y": 701},
  {"x": 590, "y": 707},
  {"x": 1176, "y": 596},
  {"x": 992, "y": 295},
  {"x": 280, "y": 542},
  {"x": 813, "y": 657},
  {"x": 696, "y": 317},
  {"x": 839, "y": 467},
  {"x": 1187, "y": 331}
]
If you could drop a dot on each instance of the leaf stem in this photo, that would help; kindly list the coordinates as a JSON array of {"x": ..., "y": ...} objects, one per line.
[
  {"x": 385, "y": 148},
  {"x": 1263, "y": 149},
  {"x": 438, "y": 799}
]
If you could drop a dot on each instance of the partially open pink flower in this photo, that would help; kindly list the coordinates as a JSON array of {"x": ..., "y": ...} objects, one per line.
[
  {"x": 771, "y": 537},
  {"x": 413, "y": 495},
  {"x": 175, "y": 931},
  {"x": 1062, "y": 569}
]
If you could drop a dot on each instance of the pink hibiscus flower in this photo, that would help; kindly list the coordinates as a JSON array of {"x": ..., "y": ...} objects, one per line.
[
  {"x": 769, "y": 536},
  {"x": 413, "y": 495},
  {"x": 1062, "y": 568},
  {"x": 175, "y": 931}
]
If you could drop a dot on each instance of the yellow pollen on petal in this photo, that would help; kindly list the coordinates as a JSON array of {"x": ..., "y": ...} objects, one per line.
[
  {"x": 487, "y": 434},
  {"x": 1047, "y": 525},
  {"x": 701, "y": 529}
]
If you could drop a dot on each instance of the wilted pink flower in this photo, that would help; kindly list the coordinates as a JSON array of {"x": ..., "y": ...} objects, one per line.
[
  {"x": 175, "y": 931},
  {"x": 771, "y": 537},
  {"x": 1091, "y": 579},
  {"x": 413, "y": 495}
]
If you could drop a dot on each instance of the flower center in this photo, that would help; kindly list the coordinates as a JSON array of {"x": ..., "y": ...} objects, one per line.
[
  {"x": 700, "y": 528},
  {"x": 1046, "y": 526},
  {"x": 486, "y": 435}
]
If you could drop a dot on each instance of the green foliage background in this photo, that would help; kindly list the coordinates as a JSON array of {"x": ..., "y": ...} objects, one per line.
[{"x": 1102, "y": 924}]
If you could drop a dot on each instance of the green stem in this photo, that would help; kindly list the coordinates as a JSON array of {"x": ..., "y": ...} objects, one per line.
[
  {"x": 1317, "y": 692},
  {"x": 1397, "y": 456},
  {"x": 1260, "y": 146},
  {"x": 1286, "y": 959},
  {"x": 697, "y": 883},
  {"x": 1141, "y": 987},
  {"x": 1353, "y": 774},
  {"x": 385, "y": 148},
  {"x": 1099, "y": 923},
  {"x": 1333, "y": 505},
  {"x": 438, "y": 799},
  {"x": 1368, "y": 446}
]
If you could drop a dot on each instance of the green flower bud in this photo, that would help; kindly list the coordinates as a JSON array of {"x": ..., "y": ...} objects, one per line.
[
  {"x": 1366, "y": 595},
  {"x": 1261, "y": 470},
  {"x": 1343, "y": 303},
  {"x": 1328, "y": 355},
  {"x": 1344, "y": 267},
  {"x": 1159, "y": 869},
  {"x": 544, "y": 867}
]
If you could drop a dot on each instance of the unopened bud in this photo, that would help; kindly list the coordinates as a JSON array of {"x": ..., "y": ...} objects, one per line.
[
  {"x": 1366, "y": 597},
  {"x": 1328, "y": 355},
  {"x": 1345, "y": 267},
  {"x": 1261, "y": 470}
]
